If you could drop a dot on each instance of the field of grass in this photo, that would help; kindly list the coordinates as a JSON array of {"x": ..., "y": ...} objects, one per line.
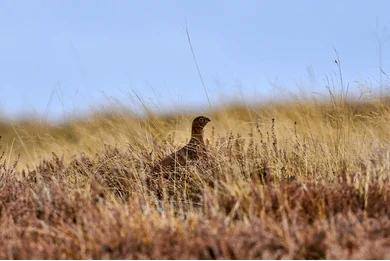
[{"x": 78, "y": 189}]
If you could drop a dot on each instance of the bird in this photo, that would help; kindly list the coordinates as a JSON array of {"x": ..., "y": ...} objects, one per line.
[
  {"x": 194, "y": 150},
  {"x": 165, "y": 177}
]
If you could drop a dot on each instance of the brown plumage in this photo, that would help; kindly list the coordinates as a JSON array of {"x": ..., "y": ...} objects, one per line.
[{"x": 193, "y": 151}]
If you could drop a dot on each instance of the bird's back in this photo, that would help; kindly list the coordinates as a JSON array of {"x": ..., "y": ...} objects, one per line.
[{"x": 192, "y": 151}]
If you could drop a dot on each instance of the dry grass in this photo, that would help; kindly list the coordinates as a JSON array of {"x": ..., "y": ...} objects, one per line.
[{"x": 78, "y": 189}]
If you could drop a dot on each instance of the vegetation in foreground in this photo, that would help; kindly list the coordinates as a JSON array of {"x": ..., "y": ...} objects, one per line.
[{"x": 78, "y": 189}]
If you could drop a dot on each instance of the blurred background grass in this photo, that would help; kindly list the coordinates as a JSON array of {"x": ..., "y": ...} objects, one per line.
[{"x": 345, "y": 124}]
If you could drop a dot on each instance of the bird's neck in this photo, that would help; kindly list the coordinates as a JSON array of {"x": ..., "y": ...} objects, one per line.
[{"x": 197, "y": 135}]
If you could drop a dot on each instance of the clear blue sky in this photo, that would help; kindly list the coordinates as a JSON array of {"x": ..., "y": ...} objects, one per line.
[{"x": 61, "y": 57}]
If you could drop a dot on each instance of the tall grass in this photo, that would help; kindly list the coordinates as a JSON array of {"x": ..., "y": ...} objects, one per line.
[{"x": 292, "y": 180}]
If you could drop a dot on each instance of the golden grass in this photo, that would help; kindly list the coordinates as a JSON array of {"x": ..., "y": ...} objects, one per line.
[{"x": 78, "y": 189}]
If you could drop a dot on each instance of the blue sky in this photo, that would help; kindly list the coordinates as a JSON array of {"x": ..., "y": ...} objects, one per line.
[{"x": 62, "y": 57}]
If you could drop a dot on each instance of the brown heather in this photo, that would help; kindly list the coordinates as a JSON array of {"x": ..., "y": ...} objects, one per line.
[{"x": 299, "y": 180}]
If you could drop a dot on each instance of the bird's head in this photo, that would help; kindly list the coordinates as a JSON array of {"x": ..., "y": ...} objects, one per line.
[
  {"x": 198, "y": 124},
  {"x": 200, "y": 121}
]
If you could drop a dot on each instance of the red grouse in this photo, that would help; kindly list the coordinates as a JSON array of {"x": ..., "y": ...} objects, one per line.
[{"x": 193, "y": 151}]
